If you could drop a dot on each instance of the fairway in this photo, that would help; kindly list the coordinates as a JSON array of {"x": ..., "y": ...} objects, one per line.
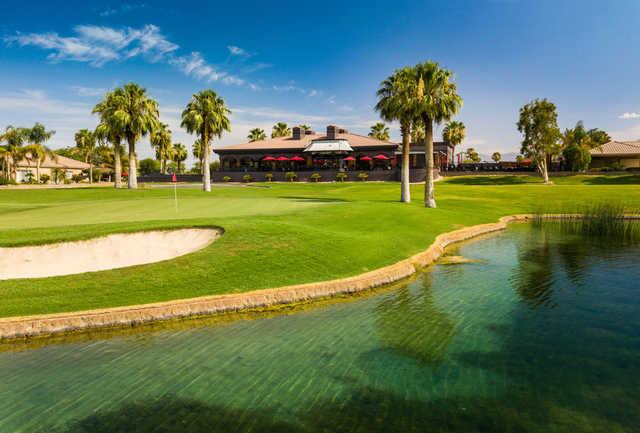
[{"x": 275, "y": 234}]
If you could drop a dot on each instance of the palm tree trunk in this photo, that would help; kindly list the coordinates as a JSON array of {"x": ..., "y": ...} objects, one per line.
[
  {"x": 133, "y": 177},
  {"x": 429, "y": 196},
  {"x": 117, "y": 166},
  {"x": 405, "y": 187},
  {"x": 206, "y": 175},
  {"x": 90, "y": 170},
  {"x": 38, "y": 170}
]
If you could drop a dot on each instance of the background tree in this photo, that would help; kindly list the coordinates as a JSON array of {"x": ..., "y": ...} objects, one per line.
[
  {"x": 438, "y": 101},
  {"x": 396, "y": 101},
  {"x": 304, "y": 126},
  {"x": 86, "y": 144},
  {"x": 179, "y": 156},
  {"x": 206, "y": 115},
  {"x": 380, "y": 131},
  {"x": 256, "y": 134},
  {"x": 198, "y": 153},
  {"x": 538, "y": 124},
  {"x": 417, "y": 131},
  {"x": 36, "y": 150},
  {"x": 280, "y": 129},
  {"x": 149, "y": 166},
  {"x": 577, "y": 143},
  {"x": 496, "y": 157},
  {"x": 14, "y": 151},
  {"x": 160, "y": 139},
  {"x": 454, "y": 132},
  {"x": 471, "y": 155}
]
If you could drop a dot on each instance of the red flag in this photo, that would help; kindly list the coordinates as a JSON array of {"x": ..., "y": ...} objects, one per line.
[{"x": 174, "y": 178}]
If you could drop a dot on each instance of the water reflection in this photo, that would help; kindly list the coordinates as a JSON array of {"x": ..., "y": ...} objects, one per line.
[{"x": 410, "y": 323}]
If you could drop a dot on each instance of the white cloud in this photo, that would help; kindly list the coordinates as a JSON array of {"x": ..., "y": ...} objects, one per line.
[
  {"x": 237, "y": 51},
  {"x": 88, "y": 91},
  {"x": 126, "y": 7},
  {"x": 331, "y": 99},
  {"x": 98, "y": 45},
  {"x": 632, "y": 115}
]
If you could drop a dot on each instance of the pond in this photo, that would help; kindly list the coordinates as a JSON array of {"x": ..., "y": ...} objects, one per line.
[{"x": 541, "y": 334}]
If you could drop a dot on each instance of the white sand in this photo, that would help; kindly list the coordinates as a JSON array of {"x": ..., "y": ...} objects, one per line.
[{"x": 99, "y": 254}]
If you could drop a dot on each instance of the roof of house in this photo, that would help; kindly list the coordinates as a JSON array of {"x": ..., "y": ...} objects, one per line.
[
  {"x": 59, "y": 162},
  {"x": 617, "y": 148},
  {"x": 288, "y": 143}
]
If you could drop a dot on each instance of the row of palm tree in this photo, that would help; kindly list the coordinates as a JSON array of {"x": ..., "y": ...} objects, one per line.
[
  {"x": 420, "y": 95},
  {"x": 24, "y": 144},
  {"x": 127, "y": 114}
]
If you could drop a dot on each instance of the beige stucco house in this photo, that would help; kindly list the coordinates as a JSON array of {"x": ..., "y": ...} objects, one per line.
[
  {"x": 69, "y": 166},
  {"x": 625, "y": 154}
]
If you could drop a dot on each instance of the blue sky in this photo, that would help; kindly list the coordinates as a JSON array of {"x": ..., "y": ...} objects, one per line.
[{"x": 321, "y": 62}]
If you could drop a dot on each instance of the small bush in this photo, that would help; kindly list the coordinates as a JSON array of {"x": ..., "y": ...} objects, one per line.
[
  {"x": 363, "y": 176},
  {"x": 268, "y": 177},
  {"x": 77, "y": 178},
  {"x": 226, "y": 179},
  {"x": 315, "y": 177},
  {"x": 44, "y": 178},
  {"x": 291, "y": 176},
  {"x": 341, "y": 177},
  {"x": 247, "y": 178}
]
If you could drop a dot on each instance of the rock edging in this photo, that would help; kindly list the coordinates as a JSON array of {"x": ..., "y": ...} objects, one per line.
[{"x": 50, "y": 324}]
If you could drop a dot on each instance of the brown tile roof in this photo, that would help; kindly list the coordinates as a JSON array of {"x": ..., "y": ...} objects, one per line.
[
  {"x": 288, "y": 143},
  {"x": 615, "y": 148},
  {"x": 60, "y": 162}
]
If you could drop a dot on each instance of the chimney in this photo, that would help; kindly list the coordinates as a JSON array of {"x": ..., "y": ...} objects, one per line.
[
  {"x": 332, "y": 132},
  {"x": 297, "y": 132}
]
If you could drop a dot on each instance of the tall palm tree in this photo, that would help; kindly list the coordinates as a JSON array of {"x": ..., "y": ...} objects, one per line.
[
  {"x": 438, "y": 100},
  {"x": 379, "y": 131},
  {"x": 256, "y": 134},
  {"x": 208, "y": 116},
  {"x": 179, "y": 155},
  {"x": 396, "y": 101},
  {"x": 36, "y": 150},
  {"x": 108, "y": 132},
  {"x": 15, "y": 138},
  {"x": 161, "y": 140},
  {"x": 280, "y": 129},
  {"x": 86, "y": 143},
  {"x": 454, "y": 132},
  {"x": 134, "y": 114}
]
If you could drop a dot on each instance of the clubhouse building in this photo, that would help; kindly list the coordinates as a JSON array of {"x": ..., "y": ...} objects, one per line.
[
  {"x": 623, "y": 154},
  {"x": 327, "y": 153}
]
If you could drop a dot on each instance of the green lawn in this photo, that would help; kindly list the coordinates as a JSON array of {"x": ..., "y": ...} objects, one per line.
[{"x": 275, "y": 234}]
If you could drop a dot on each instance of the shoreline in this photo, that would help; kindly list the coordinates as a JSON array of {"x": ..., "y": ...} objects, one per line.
[{"x": 24, "y": 327}]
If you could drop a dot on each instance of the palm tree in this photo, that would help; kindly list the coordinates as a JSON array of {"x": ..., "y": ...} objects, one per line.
[
  {"x": 86, "y": 143},
  {"x": 396, "y": 101},
  {"x": 14, "y": 150},
  {"x": 380, "y": 131},
  {"x": 304, "y": 126},
  {"x": 198, "y": 152},
  {"x": 280, "y": 129},
  {"x": 256, "y": 134},
  {"x": 161, "y": 140},
  {"x": 108, "y": 132},
  {"x": 454, "y": 132},
  {"x": 134, "y": 114},
  {"x": 36, "y": 150},
  {"x": 206, "y": 115},
  {"x": 179, "y": 155},
  {"x": 438, "y": 100},
  {"x": 496, "y": 157}
]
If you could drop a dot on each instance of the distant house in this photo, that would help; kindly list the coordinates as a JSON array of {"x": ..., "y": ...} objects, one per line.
[
  {"x": 27, "y": 167},
  {"x": 625, "y": 154}
]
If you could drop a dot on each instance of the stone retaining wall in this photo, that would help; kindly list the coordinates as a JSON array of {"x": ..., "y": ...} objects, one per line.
[{"x": 31, "y": 326}]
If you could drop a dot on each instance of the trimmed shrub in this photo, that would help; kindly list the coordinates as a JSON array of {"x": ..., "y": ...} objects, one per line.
[
  {"x": 315, "y": 177},
  {"x": 291, "y": 176},
  {"x": 341, "y": 177},
  {"x": 268, "y": 177},
  {"x": 226, "y": 179},
  {"x": 77, "y": 178},
  {"x": 247, "y": 178},
  {"x": 44, "y": 178},
  {"x": 363, "y": 176}
]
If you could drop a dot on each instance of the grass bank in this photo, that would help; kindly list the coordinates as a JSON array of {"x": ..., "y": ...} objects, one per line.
[{"x": 275, "y": 234}]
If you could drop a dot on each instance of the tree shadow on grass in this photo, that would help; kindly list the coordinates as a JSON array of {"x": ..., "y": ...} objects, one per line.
[
  {"x": 613, "y": 180},
  {"x": 493, "y": 180}
]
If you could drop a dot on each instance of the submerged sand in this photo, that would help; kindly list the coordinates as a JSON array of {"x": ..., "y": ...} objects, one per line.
[{"x": 99, "y": 254}]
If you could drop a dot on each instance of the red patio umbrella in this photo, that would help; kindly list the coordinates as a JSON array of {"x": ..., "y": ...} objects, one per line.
[
  {"x": 381, "y": 157},
  {"x": 349, "y": 158},
  {"x": 296, "y": 158},
  {"x": 365, "y": 158},
  {"x": 282, "y": 158},
  {"x": 268, "y": 158}
]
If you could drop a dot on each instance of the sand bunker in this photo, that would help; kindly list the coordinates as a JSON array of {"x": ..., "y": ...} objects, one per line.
[{"x": 99, "y": 254}]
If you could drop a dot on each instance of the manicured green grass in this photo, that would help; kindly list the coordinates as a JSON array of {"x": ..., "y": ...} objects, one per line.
[{"x": 275, "y": 234}]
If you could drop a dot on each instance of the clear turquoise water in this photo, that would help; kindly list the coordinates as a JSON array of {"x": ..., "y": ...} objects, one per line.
[{"x": 542, "y": 336}]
